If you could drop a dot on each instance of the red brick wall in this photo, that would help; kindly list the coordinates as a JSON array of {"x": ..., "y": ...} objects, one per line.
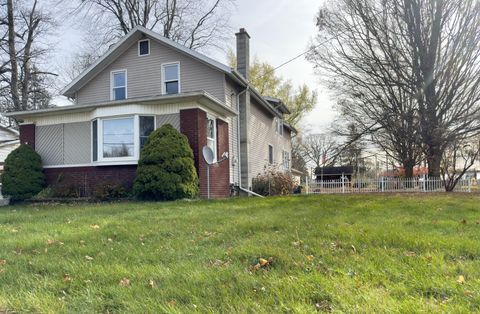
[
  {"x": 27, "y": 134},
  {"x": 193, "y": 123},
  {"x": 220, "y": 175},
  {"x": 86, "y": 179}
]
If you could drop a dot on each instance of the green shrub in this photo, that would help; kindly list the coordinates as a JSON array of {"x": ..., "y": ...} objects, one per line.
[
  {"x": 273, "y": 182},
  {"x": 109, "y": 190},
  {"x": 166, "y": 170},
  {"x": 22, "y": 177}
]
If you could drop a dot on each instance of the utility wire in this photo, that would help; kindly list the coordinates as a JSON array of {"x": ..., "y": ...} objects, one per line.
[{"x": 303, "y": 53}]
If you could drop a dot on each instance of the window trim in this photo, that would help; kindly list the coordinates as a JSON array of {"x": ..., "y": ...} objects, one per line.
[
  {"x": 112, "y": 94},
  {"x": 215, "y": 140},
  {"x": 149, "y": 47},
  {"x": 273, "y": 154},
  {"x": 100, "y": 157},
  {"x": 163, "y": 81}
]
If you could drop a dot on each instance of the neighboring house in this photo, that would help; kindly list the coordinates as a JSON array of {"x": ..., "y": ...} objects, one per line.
[
  {"x": 143, "y": 82},
  {"x": 8, "y": 142}
]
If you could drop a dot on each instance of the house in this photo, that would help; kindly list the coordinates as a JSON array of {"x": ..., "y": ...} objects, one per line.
[
  {"x": 143, "y": 82},
  {"x": 8, "y": 142}
]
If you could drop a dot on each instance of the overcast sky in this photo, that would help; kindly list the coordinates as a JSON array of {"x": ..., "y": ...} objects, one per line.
[{"x": 279, "y": 31}]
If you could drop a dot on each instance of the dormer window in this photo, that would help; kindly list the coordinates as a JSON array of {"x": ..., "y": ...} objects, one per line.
[
  {"x": 119, "y": 85},
  {"x": 171, "y": 78},
  {"x": 144, "y": 47}
]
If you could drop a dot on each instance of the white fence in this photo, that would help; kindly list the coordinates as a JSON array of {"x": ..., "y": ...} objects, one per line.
[{"x": 384, "y": 184}]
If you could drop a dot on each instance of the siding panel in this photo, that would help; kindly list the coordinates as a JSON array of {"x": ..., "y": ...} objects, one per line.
[
  {"x": 173, "y": 119},
  {"x": 144, "y": 75},
  {"x": 77, "y": 139},
  {"x": 262, "y": 132},
  {"x": 49, "y": 144}
]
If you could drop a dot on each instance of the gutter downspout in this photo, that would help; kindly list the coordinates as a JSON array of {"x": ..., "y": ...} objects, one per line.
[{"x": 238, "y": 147}]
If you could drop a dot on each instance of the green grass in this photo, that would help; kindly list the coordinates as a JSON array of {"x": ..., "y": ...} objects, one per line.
[{"x": 366, "y": 253}]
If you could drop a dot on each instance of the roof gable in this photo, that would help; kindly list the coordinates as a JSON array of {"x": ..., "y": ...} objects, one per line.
[{"x": 123, "y": 45}]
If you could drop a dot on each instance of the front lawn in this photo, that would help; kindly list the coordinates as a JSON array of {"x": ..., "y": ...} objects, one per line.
[{"x": 364, "y": 253}]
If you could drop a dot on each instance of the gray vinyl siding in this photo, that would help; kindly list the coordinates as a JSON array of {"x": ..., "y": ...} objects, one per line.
[
  {"x": 144, "y": 75},
  {"x": 262, "y": 132},
  {"x": 77, "y": 143},
  {"x": 49, "y": 144},
  {"x": 63, "y": 144},
  {"x": 172, "y": 119}
]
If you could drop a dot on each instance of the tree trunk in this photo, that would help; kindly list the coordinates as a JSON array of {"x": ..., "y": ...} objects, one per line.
[
  {"x": 434, "y": 159},
  {"x": 13, "y": 57}
]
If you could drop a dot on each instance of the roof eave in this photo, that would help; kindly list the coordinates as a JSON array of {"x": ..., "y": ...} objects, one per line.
[{"x": 202, "y": 97}]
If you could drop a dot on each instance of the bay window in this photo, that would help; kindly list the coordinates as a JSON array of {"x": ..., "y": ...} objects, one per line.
[
  {"x": 171, "y": 78},
  {"x": 146, "y": 125},
  {"x": 119, "y": 85},
  {"x": 212, "y": 135},
  {"x": 119, "y": 139}
]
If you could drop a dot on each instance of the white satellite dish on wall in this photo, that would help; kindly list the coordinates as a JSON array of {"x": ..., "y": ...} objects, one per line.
[{"x": 207, "y": 154}]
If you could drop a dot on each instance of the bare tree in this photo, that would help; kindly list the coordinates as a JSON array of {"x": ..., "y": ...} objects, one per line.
[
  {"x": 457, "y": 159},
  {"x": 23, "y": 85},
  {"x": 445, "y": 60},
  {"x": 377, "y": 58},
  {"x": 195, "y": 24},
  {"x": 320, "y": 149}
]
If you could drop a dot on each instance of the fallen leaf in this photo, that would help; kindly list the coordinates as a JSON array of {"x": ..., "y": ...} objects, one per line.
[
  {"x": 67, "y": 278},
  {"x": 124, "y": 282},
  {"x": 88, "y": 258},
  {"x": 95, "y": 226},
  {"x": 151, "y": 283},
  {"x": 410, "y": 253},
  {"x": 263, "y": 262},
  {"x": 3, "y": 261},
  {"x": 50, "y": 241},
  {"x": 310, "y": 257},
  {"x": 461, "y": 280}
]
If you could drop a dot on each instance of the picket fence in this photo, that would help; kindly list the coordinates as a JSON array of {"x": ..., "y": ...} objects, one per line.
[{"x": 383, "y": 185}]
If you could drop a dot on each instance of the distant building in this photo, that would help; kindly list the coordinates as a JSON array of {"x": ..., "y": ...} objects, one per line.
[
  {"x": 8, "y": 142},
  {"x": 333, "y": 173}
]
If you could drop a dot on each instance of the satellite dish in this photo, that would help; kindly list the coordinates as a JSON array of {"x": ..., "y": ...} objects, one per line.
[{"x": 207, "y": 155}]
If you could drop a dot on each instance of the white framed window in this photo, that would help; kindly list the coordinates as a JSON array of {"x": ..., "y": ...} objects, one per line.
[
  {"x": 279, "y": 126},
  {"x": 212, "y": 135},
  {"x": 171, "y": 78},
  {"x": 118, "y": 83},
  {"x": 119, "y": 139},
  {"x": 270, "y": 154},
  {"x": 144, "y": 47},
  {"x": 286, "y": 160}
]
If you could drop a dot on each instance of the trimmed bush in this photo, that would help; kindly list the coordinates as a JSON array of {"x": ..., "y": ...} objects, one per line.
[
  {"x": 22, "y": 177},
  {"x": 166, "y": 170}
]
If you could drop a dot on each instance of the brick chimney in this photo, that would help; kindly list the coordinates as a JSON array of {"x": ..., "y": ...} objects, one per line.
[{"x": 243, "y": 52}]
